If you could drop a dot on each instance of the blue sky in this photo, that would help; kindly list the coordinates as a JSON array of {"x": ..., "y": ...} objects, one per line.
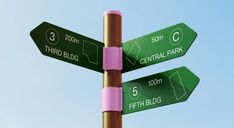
[{"x": 38, "y": 91}]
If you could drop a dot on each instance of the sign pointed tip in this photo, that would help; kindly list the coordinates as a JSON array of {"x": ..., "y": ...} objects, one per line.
[{"x": 31, "y": 33}]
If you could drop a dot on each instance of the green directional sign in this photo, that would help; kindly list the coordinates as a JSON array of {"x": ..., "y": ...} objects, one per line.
[
  {"x": 158, "y": 90},
  {"x": 62, "y": 44},
  {"x": 158, "y": 46}
]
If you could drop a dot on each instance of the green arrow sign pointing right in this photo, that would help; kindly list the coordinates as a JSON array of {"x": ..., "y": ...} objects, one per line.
[
  {"x": 158, "y": 90},
  {"x": 62, "y": 44},
  {"x": 158, "y": 46}
]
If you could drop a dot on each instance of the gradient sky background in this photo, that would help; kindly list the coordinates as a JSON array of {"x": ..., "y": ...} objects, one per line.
[{"x": 40, "y": 92}]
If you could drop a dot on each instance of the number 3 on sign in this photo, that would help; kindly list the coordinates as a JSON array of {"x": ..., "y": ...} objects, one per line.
[
  {"x": 135, "y": 91},
  {"x": 52, "y": 36}
]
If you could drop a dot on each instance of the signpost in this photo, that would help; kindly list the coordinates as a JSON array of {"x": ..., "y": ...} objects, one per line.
[
  {"x": 158, "y": 90},
  {"x": 157, "y": 47},
  {"x": 62, "y": 44},
  {"x": 112, "y": 77},
  {"x": 137, "y": 95}
]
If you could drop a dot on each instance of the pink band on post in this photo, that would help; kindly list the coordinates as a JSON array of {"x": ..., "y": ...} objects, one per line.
[
  {"x": 112, "y": 12},
  {"x": 112, "y": 58},
  {"x": 112, "y": 99}
]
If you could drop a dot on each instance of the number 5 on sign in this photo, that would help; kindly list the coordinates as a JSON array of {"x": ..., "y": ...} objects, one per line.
[{"x": 135, "y": 91}]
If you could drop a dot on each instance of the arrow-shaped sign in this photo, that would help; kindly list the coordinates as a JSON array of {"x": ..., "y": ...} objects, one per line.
[
  {"x": 156, "y": 47},
  {"x": 158, "y": 90},
  {"x": 62, "y": 44}
]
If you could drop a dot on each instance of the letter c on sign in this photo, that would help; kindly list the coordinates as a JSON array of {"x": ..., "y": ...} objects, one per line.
[{"x": 174, "y": 38}]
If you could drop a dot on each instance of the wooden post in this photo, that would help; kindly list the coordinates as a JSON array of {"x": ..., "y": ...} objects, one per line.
[{"x": 112, "y": 78}]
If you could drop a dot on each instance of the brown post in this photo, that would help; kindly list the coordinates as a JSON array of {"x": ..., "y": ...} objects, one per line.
[{"x": 112, "y": 78}]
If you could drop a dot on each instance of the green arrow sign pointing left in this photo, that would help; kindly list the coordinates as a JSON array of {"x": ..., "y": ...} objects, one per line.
[
  {"x": 62, "y": 44},
  {"x": 158, "y": 46},
  {"x": 158, "y": 90}
]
